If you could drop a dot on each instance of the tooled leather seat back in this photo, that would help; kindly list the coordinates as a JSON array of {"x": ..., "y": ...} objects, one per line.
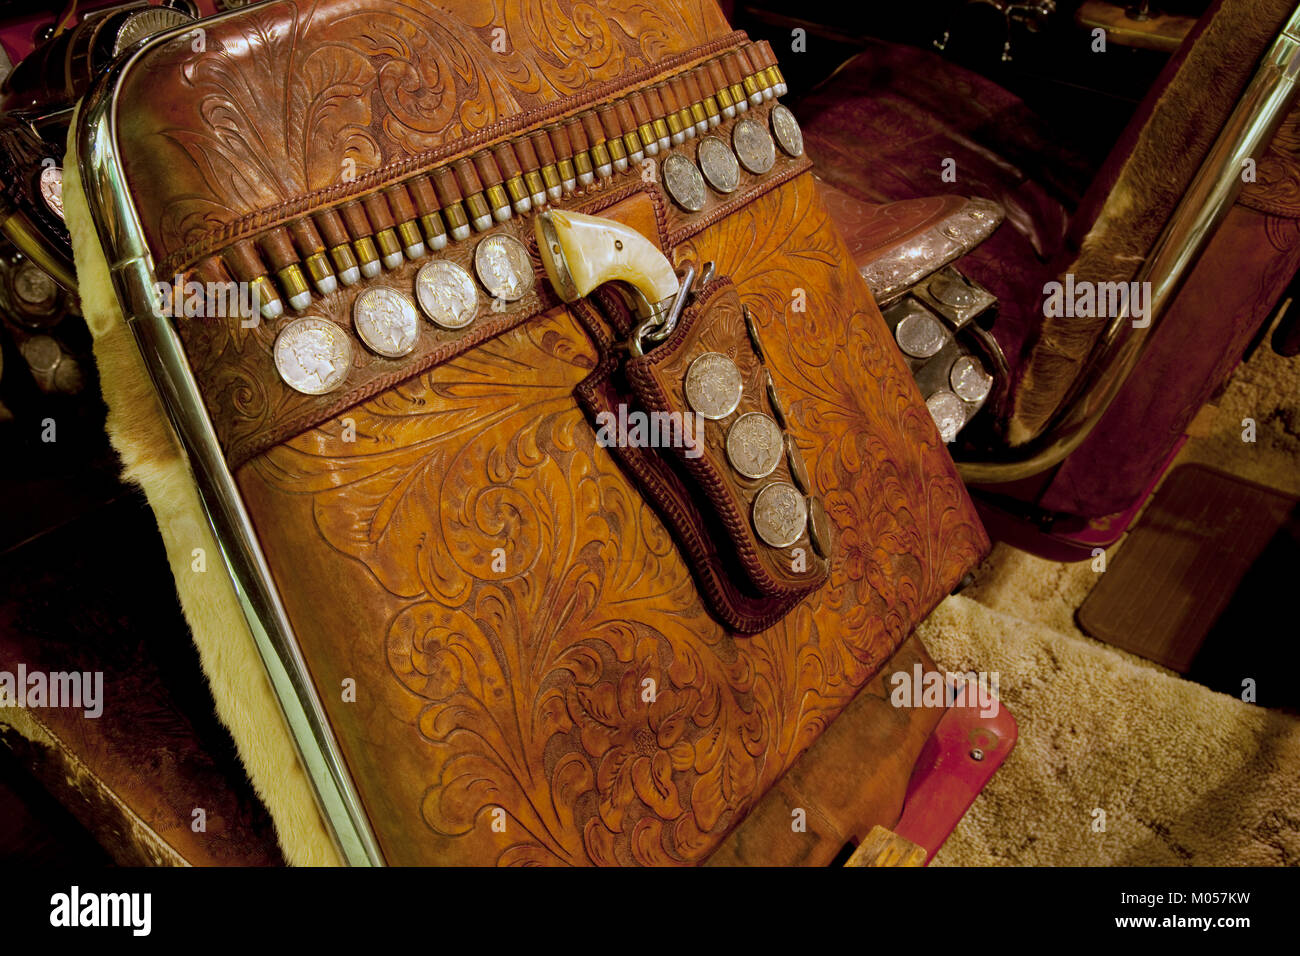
[{"x": 564, "y": 648}]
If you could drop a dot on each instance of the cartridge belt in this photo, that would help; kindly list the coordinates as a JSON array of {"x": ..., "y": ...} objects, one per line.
[{"x": 318, "y": 264}]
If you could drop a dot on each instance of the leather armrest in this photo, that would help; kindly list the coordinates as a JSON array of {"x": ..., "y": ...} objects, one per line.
[{"x": 897, "y": 244}]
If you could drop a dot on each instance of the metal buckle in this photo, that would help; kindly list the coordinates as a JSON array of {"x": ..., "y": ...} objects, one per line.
[{"x": 659, "y": 326}]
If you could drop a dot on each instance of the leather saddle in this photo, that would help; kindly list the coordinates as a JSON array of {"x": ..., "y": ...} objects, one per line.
[{"x": 566, "y": 475}]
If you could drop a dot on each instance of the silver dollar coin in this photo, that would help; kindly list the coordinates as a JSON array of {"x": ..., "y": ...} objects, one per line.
[
  {"x": 52, "y": 189},
  {"x": 786, "y": 130},
  {"x": 313, "y": 355},
  {"x": 752, "y": 328},
  {"x": 950, "y": 290},
  {"x": 713, "y": 385},
  {"x": 780, "y": 514},
  {"x": 969, "y": 380},
  {"x": 502, "y": 264},
  {"x": 42, "y": 353},
  {"x": 774, "y": 399},
  {"x": 798, "y": 467},
  {"x": 385, "y": 320},
  {"x": 446, "y": 294},
  {"x": 920, "y": 335},
  {"x": 753, "y": 146},
  {"x": 34, "y": 286},
  {"x": 948, "y": 413},
  {"x": 819, "y": 528},
  {"x": 719, "y": 164},
  {"x": 684, "y": 183},
  {"x": 754, "y": 445}
]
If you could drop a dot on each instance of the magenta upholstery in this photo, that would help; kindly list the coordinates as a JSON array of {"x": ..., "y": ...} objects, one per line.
[{"x": 881, "y": 128}]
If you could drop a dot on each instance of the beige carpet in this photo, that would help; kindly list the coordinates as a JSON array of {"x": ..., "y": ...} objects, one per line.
[{"x": 1184, "y": 775}]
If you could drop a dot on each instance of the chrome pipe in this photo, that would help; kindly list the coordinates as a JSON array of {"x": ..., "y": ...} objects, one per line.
[
  {"x": 132, "y": 270},
  {"x": 1248, "y": 130}
]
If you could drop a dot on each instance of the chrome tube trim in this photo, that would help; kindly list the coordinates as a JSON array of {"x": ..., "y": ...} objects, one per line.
[
  {"x": 132, "y": 270},
  {"x": 1250, "y": 127}
]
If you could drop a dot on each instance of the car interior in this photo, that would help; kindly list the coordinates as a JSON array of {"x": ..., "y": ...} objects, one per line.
[{"x": 1009, "y": 287}]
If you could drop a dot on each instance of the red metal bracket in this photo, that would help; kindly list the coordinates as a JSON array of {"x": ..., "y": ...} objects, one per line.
[{"x": 956, "y": 763}]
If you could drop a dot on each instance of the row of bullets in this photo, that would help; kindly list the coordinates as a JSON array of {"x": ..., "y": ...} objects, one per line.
[{"x": 379, "y": 230}]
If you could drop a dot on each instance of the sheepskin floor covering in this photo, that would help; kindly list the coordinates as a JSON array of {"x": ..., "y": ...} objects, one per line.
[{"x": 1186, "y": 776}]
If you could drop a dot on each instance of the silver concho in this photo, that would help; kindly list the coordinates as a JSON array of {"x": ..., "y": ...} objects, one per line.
[
  {"x": 920, "y": 335},
  {"x": 786, "y": 130},
  {"x": 754, "y": 445},
  {"x": 446, "y": 294},
  {"x": 969, "y": 380},
  {"x": 948, "y": 413},
  {"x": 753, "y": 146},
  {"x": 385, "y": 320},
  {"x": 313, "y": 355},
  {"x": 52, "y": 189},
  {"x": 780, "y": 514},
  {"x": 501, "y": 262},
  {"x": 718, "y": 164},
  {"x": 684, "y": 183},
  {"x": 713, "y": 385}
]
